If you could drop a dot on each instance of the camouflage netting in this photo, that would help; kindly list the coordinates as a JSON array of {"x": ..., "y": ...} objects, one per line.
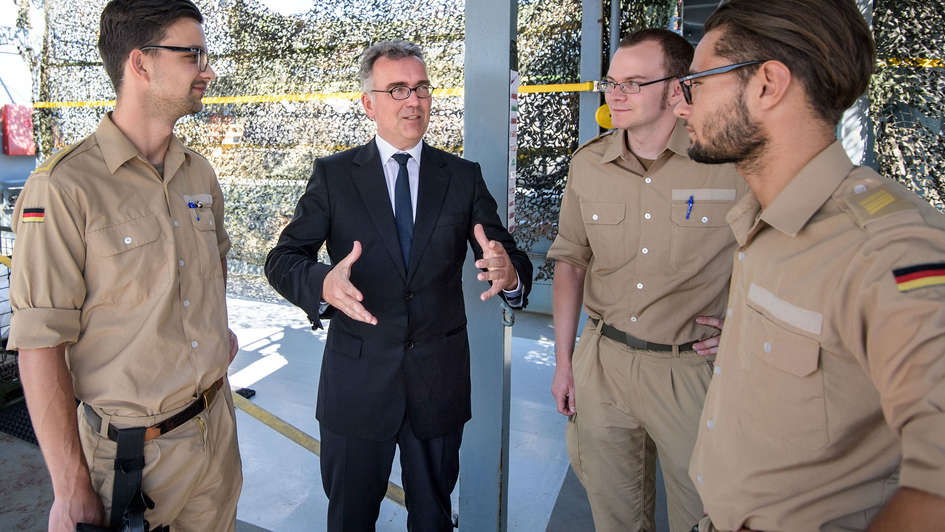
[
  {"x": 257, "y": 52},
  {"x": 907, "y": 94}
]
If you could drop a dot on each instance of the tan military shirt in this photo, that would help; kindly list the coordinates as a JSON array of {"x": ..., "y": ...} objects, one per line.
[
  {"x": 124, "y": 267},
  {"x": 831, "y": 371},
  {"x": 654, "y": 243}
]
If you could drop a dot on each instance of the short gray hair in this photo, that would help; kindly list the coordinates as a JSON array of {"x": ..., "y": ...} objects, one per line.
[{"x": 388, "y": 49}]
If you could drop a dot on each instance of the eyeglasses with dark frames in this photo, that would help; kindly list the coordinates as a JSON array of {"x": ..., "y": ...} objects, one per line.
[
  {"x": 626, "y": 87},
  {"x": 686, "y": 81},
  {"x": 402, "y": 92},
  {"x": 202, "y": 58}
]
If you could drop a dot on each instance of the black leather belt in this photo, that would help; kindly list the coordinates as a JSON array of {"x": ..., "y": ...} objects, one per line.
[
  {"x": 633, "y": 342},
  {"x": 202, "y": 403}
]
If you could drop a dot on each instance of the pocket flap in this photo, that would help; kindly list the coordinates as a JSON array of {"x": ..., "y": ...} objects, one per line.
[
  {"x": 603, "y": 213},
  {"x": 343, "y": 343},
  {"x": 785, "y": 350},
  {"x": 125, "y": 236},
  {"x": 204, "y": 200}
]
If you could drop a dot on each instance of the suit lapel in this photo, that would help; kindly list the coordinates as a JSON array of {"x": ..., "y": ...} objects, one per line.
[
  {"x": 368, "y": 177},
  {"x": 433, "y": 184}
]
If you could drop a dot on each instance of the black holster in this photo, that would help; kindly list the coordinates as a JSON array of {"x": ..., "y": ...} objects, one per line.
[{"x": 129, "y": 502}]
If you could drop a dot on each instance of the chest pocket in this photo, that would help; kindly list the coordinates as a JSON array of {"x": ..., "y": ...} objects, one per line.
[
  {"x": 698, "y": 217},
  {"x": 201, "y": 216},
  {"x": 784, "y": 391},
  {"x": 609, "y": 233},
  {"x": 120, "y": 255}
]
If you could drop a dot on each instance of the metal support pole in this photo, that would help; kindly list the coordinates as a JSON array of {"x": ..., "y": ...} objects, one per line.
[
  {"x": 491, "y": 55},
  {"x": 614, "y": 26},
  {"x": 591, "y": 35},
  {"x": 856, "y": 127}
]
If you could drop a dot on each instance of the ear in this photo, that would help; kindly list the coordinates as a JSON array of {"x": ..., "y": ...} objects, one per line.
[
  {"x": 368, "y": 104},
  {"x": 772, "y": 82},
  {"x": 138, "y": 65},
  {"x": 674, "y": 94}
]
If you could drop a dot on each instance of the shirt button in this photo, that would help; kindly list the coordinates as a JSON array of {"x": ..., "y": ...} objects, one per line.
[
  {"x": 594, "y": 217},
  {"x": 647, "y": 215},
  {"x": 741, "y": 255},
  {"x": 705, "y": 219},
  {"x": 186, "y": 302},
  {"x": 709, "y": 423},
  {"x": 645, "y": 251},
  {"x": 767, "y": 347},
  {"x": 176, "y": 223},
  {"x": 410, "y": 344},
  {"x": 717, "y": 370},
  {"x": 699, "y": 479},
  {"x": 127, "y": 240},
  {"x": 648, "y": 180},
  {"x": 180, "y": 263},
  {"x": 408, "y": 296},
  {"x": 859, "y": 189},
  {"x": 194, "y": 344},
  {"x": 633, "y": 319},
  {"x": 639, "y": 286},
  {"x": 729, "y": 312}
]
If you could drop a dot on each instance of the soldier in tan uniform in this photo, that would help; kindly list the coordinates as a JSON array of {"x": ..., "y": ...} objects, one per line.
[
  {"x": 828, "y": 409},
  {"x": 118, "y": 293},
  {"x": 642, "y": 242}
]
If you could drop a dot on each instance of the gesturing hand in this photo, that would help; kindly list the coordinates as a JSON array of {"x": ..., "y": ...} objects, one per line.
[
  {"x": 496, "y": 262},
  {"x": 709, "y": 346},
  {"x": 338, "y": 291}
]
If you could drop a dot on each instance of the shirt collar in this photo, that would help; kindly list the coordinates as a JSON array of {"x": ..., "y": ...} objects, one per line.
[
  {"x": 804, "y": 195},
  {"x": 678, "y": 143},
  {"x": 794, "y": 206},
  {"x": 117, "y": 149},
  {"x": 386, "y": 150}
]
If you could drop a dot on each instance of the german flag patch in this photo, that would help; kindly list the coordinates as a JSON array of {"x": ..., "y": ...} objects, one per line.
[
  {"x": 920, "y": 276},
  {"x": 34, "y": 215}
]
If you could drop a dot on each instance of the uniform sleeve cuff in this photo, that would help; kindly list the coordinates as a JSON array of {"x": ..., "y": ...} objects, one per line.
[
  {"x": 567, "y": 251},
  {"x": 35, "y": 328},
  {"x": 923, "y": 455}
]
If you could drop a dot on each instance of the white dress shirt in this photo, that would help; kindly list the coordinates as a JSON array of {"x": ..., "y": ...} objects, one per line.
[{"x": 391, "y": 167}]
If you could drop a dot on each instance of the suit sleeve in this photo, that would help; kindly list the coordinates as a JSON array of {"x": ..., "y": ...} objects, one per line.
[
  {"x": 292, "y": 266},
  {"x": 485, "y": 212}
]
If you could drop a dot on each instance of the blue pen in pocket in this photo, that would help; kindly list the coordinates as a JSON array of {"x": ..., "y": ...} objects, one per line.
[
  {"x": 197, "y": 205},
  {"x": 689, "y": 208}
]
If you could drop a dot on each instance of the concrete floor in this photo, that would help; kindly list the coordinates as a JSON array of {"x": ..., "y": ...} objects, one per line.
[{"x": 279, "y": 358}]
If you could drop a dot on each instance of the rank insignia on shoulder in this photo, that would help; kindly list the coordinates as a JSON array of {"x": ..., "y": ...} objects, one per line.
[
  {"x": 34, "y": 215},
  {"x": 920, "y": 276}
]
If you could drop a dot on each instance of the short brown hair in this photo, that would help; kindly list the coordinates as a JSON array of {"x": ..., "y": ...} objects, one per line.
[
  {"x": 129, "y": 24},
  {"x": 825, "y": 43},
  {"x": 677, "y": 52}
]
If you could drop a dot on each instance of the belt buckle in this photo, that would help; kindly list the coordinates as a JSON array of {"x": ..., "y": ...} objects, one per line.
[{"x": 208, "y": 395}]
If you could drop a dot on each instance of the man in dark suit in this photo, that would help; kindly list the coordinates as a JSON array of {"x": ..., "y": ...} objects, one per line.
[{"x": 396, "y": 215}]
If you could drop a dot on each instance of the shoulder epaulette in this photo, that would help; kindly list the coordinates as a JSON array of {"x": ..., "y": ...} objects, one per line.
[
  {"x": 593, "y": 140},
  {"x": 871, "y": 203},
  {"x": 47, "y": 166}
]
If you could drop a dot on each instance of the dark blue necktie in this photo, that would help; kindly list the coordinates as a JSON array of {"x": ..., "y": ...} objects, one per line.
[{"x": 403, "y": 209}]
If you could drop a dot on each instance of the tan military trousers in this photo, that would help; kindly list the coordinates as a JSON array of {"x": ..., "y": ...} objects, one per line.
[
  {"x": 630, "y": 405},
  {"x": 193, "y": 473}
]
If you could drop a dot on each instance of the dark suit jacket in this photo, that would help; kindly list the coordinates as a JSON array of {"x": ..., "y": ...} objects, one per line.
[{"x": 416, "y": 359}]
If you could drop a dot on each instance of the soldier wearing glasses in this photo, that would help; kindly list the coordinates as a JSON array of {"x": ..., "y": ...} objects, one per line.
[
  {"x": 119, "y": 296},
  {"x": 396, "y": 216},
  {"x": 828, "y": 412},
  {"x": 642, "y": 242}
]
